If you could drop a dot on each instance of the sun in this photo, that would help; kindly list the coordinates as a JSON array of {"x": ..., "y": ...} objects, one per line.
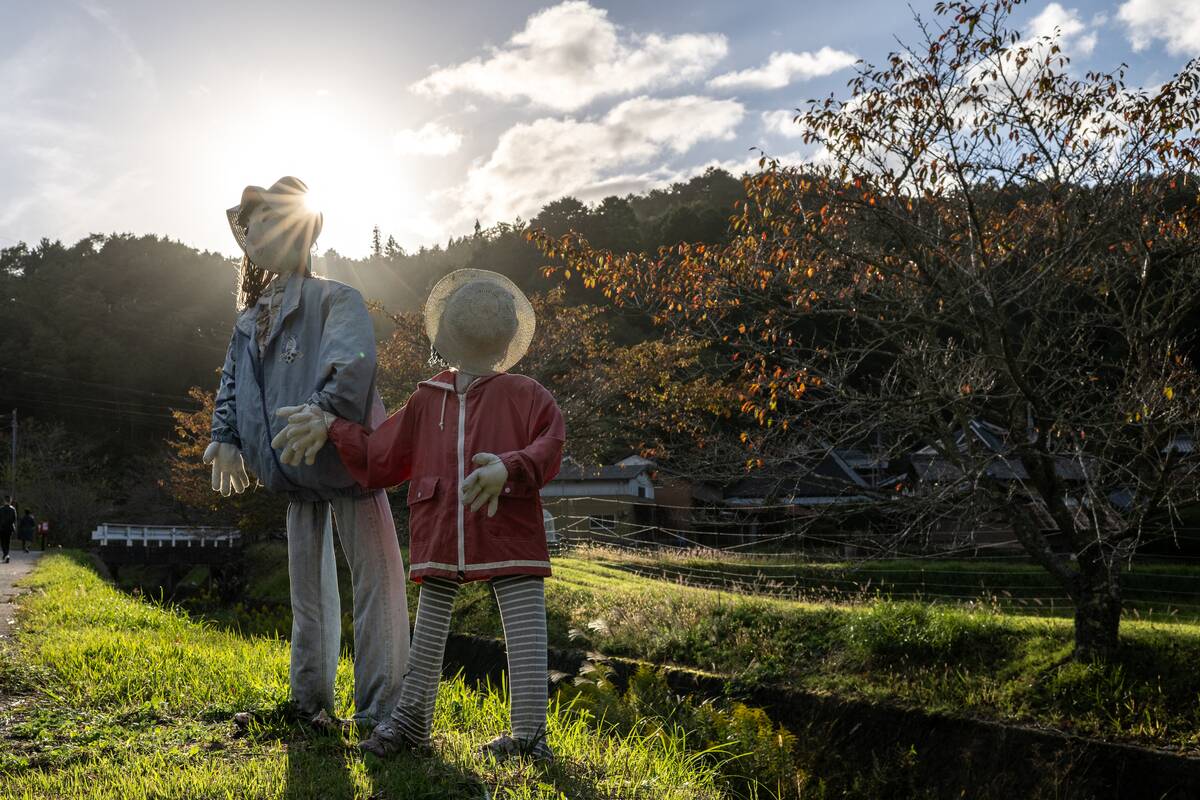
[{"x": 353, "y": 176}]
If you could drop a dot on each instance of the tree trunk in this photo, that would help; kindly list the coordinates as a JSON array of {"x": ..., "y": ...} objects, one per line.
[{"x": 1097, "y": 616}]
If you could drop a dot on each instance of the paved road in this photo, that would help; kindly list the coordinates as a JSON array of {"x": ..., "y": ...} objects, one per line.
[{"x": 20, "y": 566}]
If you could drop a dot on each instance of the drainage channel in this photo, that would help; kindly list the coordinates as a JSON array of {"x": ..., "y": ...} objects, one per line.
[{"x": 957, "y": 756}]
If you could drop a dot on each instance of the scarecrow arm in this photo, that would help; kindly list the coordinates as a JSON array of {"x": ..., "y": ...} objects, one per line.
[
  {"x": 347, "y": 357},
  {"x": 224, "y": 419},
  {"x": 380, "y": 458},
  {"x": 536, "y": 464}
]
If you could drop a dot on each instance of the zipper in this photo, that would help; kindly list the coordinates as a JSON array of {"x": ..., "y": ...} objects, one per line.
[{"x": 462, "y": 435}]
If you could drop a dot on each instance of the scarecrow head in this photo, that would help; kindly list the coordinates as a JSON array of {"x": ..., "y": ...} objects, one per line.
[{"x": 276, "y": 228}]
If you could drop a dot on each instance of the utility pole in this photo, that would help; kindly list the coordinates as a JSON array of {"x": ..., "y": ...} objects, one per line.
[{"x": 13, "y": 475}]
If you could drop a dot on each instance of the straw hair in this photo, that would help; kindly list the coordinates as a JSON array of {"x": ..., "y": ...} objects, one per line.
[{"x": 479, "y": 321}]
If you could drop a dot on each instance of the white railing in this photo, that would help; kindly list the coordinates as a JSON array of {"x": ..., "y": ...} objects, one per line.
[{"x": 107, "y": 534}]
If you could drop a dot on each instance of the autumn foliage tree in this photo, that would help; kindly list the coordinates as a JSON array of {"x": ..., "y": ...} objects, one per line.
[
  {"x": 189, "y": 480},
  {"x": 982, "y": 236},
  {"x": 655, "y": 397}
]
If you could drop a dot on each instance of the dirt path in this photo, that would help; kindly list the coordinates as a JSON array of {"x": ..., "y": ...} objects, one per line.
[{"x": 20, "y": 566}]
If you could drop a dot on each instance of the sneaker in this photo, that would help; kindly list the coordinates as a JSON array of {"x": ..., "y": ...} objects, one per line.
[
  {"x": 505, "y": 746},
  {"x": 387, "y": 740}
]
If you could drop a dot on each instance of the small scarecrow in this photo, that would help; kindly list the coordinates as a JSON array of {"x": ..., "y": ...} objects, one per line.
[
  {"x": 472, "y": 436},
  {"x": 303, "y": 339}
]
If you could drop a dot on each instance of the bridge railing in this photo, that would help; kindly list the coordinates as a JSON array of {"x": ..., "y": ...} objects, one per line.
[{"x": 108, "y": 534}]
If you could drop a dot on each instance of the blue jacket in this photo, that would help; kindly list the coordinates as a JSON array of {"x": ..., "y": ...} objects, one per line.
[{"x": 322, "y": 351}]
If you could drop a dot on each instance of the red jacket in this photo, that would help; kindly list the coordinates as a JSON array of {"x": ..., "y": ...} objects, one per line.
[{"x": 430, "y": 442}]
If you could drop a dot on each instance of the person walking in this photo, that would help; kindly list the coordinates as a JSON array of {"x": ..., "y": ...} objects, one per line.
[
  {"x": 26, "y": 528},
  {"x": 44, "y": 532},
  {"x": 8, "y": 523}
]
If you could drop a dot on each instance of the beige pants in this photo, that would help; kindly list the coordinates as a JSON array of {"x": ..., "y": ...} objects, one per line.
[{"x": 368, "y": 537}]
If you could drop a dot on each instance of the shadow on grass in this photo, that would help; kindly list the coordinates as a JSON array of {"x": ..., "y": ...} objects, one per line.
[
  {"x": 405, "y": 776},
  {"x": 329, "y": 766}
]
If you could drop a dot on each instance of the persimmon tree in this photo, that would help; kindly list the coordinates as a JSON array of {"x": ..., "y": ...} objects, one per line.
[{"x": 982, "y": 236}]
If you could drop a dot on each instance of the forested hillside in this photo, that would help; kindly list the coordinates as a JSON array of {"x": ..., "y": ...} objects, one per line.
[{"x": 105, "y": 338}]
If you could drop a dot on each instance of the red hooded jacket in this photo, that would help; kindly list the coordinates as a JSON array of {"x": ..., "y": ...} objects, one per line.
[{"x": 430, "y": 442}]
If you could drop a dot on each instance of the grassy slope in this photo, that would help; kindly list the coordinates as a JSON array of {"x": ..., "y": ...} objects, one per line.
[
  {"x": 106, "y": 696},
  {"x": 938, "y": 657},
  {"x": 1161, "y": 591},
  {"x": 988, "y": 662}
]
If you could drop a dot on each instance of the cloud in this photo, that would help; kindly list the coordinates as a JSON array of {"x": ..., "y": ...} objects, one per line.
[
  {"x": 105, "y": 17},
  {"x": 431, "y": 139},
  {"x": 538, "y": 161},
  {"x": 1074, "y": 33},
  {"x": 1176, "y": 22},
  {"x": 784, "y": 68},
  {"x": 782, "y": 123},
  {"x": 570, "y": 54},
  {"x": 64, "y": 171}
]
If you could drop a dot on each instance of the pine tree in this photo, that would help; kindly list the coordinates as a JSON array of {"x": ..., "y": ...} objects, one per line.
[
  {"x": 392, "y": 249},
  {"x": 376, "y": 247}
]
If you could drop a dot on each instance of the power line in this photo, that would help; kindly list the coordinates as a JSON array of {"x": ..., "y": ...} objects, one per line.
[{"x": 112, "y": 386}]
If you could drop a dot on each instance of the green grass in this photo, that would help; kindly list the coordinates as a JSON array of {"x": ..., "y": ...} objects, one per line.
[
  {"x": 946, "y": 658},
  {"x": 107, "y": 696},
  {"x": 983, "y": 659},
  {"x": 1159, "y": 591}
]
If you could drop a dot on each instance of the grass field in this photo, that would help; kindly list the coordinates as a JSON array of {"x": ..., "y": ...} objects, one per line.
[
  {"x": 978, "y": 659},
  {"x": 1158, "y": 591},
  {"x": 978, "y": 662},
  {"x": 106, "y": 696}
]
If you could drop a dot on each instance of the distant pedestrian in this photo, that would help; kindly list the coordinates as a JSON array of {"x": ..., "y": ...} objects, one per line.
[
  {"x": 26, "y": 528},
  {"x": 8, "y": 523},
  {"x": 44, "y": 532}
]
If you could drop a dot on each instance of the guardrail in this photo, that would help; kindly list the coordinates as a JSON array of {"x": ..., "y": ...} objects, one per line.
[{"x": 109, "y": 534}]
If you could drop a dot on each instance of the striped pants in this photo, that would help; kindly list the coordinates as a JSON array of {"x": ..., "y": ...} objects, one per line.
[{"x": 522, "y": 604}]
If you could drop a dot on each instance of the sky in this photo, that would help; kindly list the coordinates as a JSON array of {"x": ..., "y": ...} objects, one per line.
[{"x": 144, "y": 116}]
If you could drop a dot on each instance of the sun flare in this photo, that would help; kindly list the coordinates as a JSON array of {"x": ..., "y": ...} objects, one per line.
[{"x": 354, "y": 178}]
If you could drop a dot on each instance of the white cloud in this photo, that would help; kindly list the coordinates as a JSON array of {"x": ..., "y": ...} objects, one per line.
[
  {"x": 570, "y": 54},
  {"x": 1073, "y": 32},
  {"x": 782, "y": 123},
  {"x": 65, "y": 174},
  {"x": 784, "y": 68},
  {"x": 431, "y": 139},
  {"x": 1176, "y": 22},
  {"x": 539, "y": 161}
]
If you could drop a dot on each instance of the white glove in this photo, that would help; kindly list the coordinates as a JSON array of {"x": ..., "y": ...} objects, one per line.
[
  {"x": 304, "y": 435},
  {"x": 484, "y": 484},
  {"x": 228, "y": 471}
]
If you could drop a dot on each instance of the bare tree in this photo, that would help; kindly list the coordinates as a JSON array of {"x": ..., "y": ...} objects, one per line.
[{"x": 984, "y": 242}]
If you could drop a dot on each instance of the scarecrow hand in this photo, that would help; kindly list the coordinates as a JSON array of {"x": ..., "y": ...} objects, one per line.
[
  {"x": 484, "y": 484},
  {"x": 304, "y": 435},
  {"x": 228, "y": 471}
]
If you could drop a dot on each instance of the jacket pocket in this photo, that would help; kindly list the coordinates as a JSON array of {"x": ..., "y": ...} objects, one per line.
[{"x": 421, "y": 490}]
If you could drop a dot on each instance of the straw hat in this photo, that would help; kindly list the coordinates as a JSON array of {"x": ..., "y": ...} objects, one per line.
[
  {"x": 287, "y": 195},
  {"x": 479, "y": 321}
]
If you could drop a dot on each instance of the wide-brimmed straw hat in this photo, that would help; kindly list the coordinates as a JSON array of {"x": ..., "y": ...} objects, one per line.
[
  {"x": 479, "y": 321},
  {"x": 288, "y": 195}
]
